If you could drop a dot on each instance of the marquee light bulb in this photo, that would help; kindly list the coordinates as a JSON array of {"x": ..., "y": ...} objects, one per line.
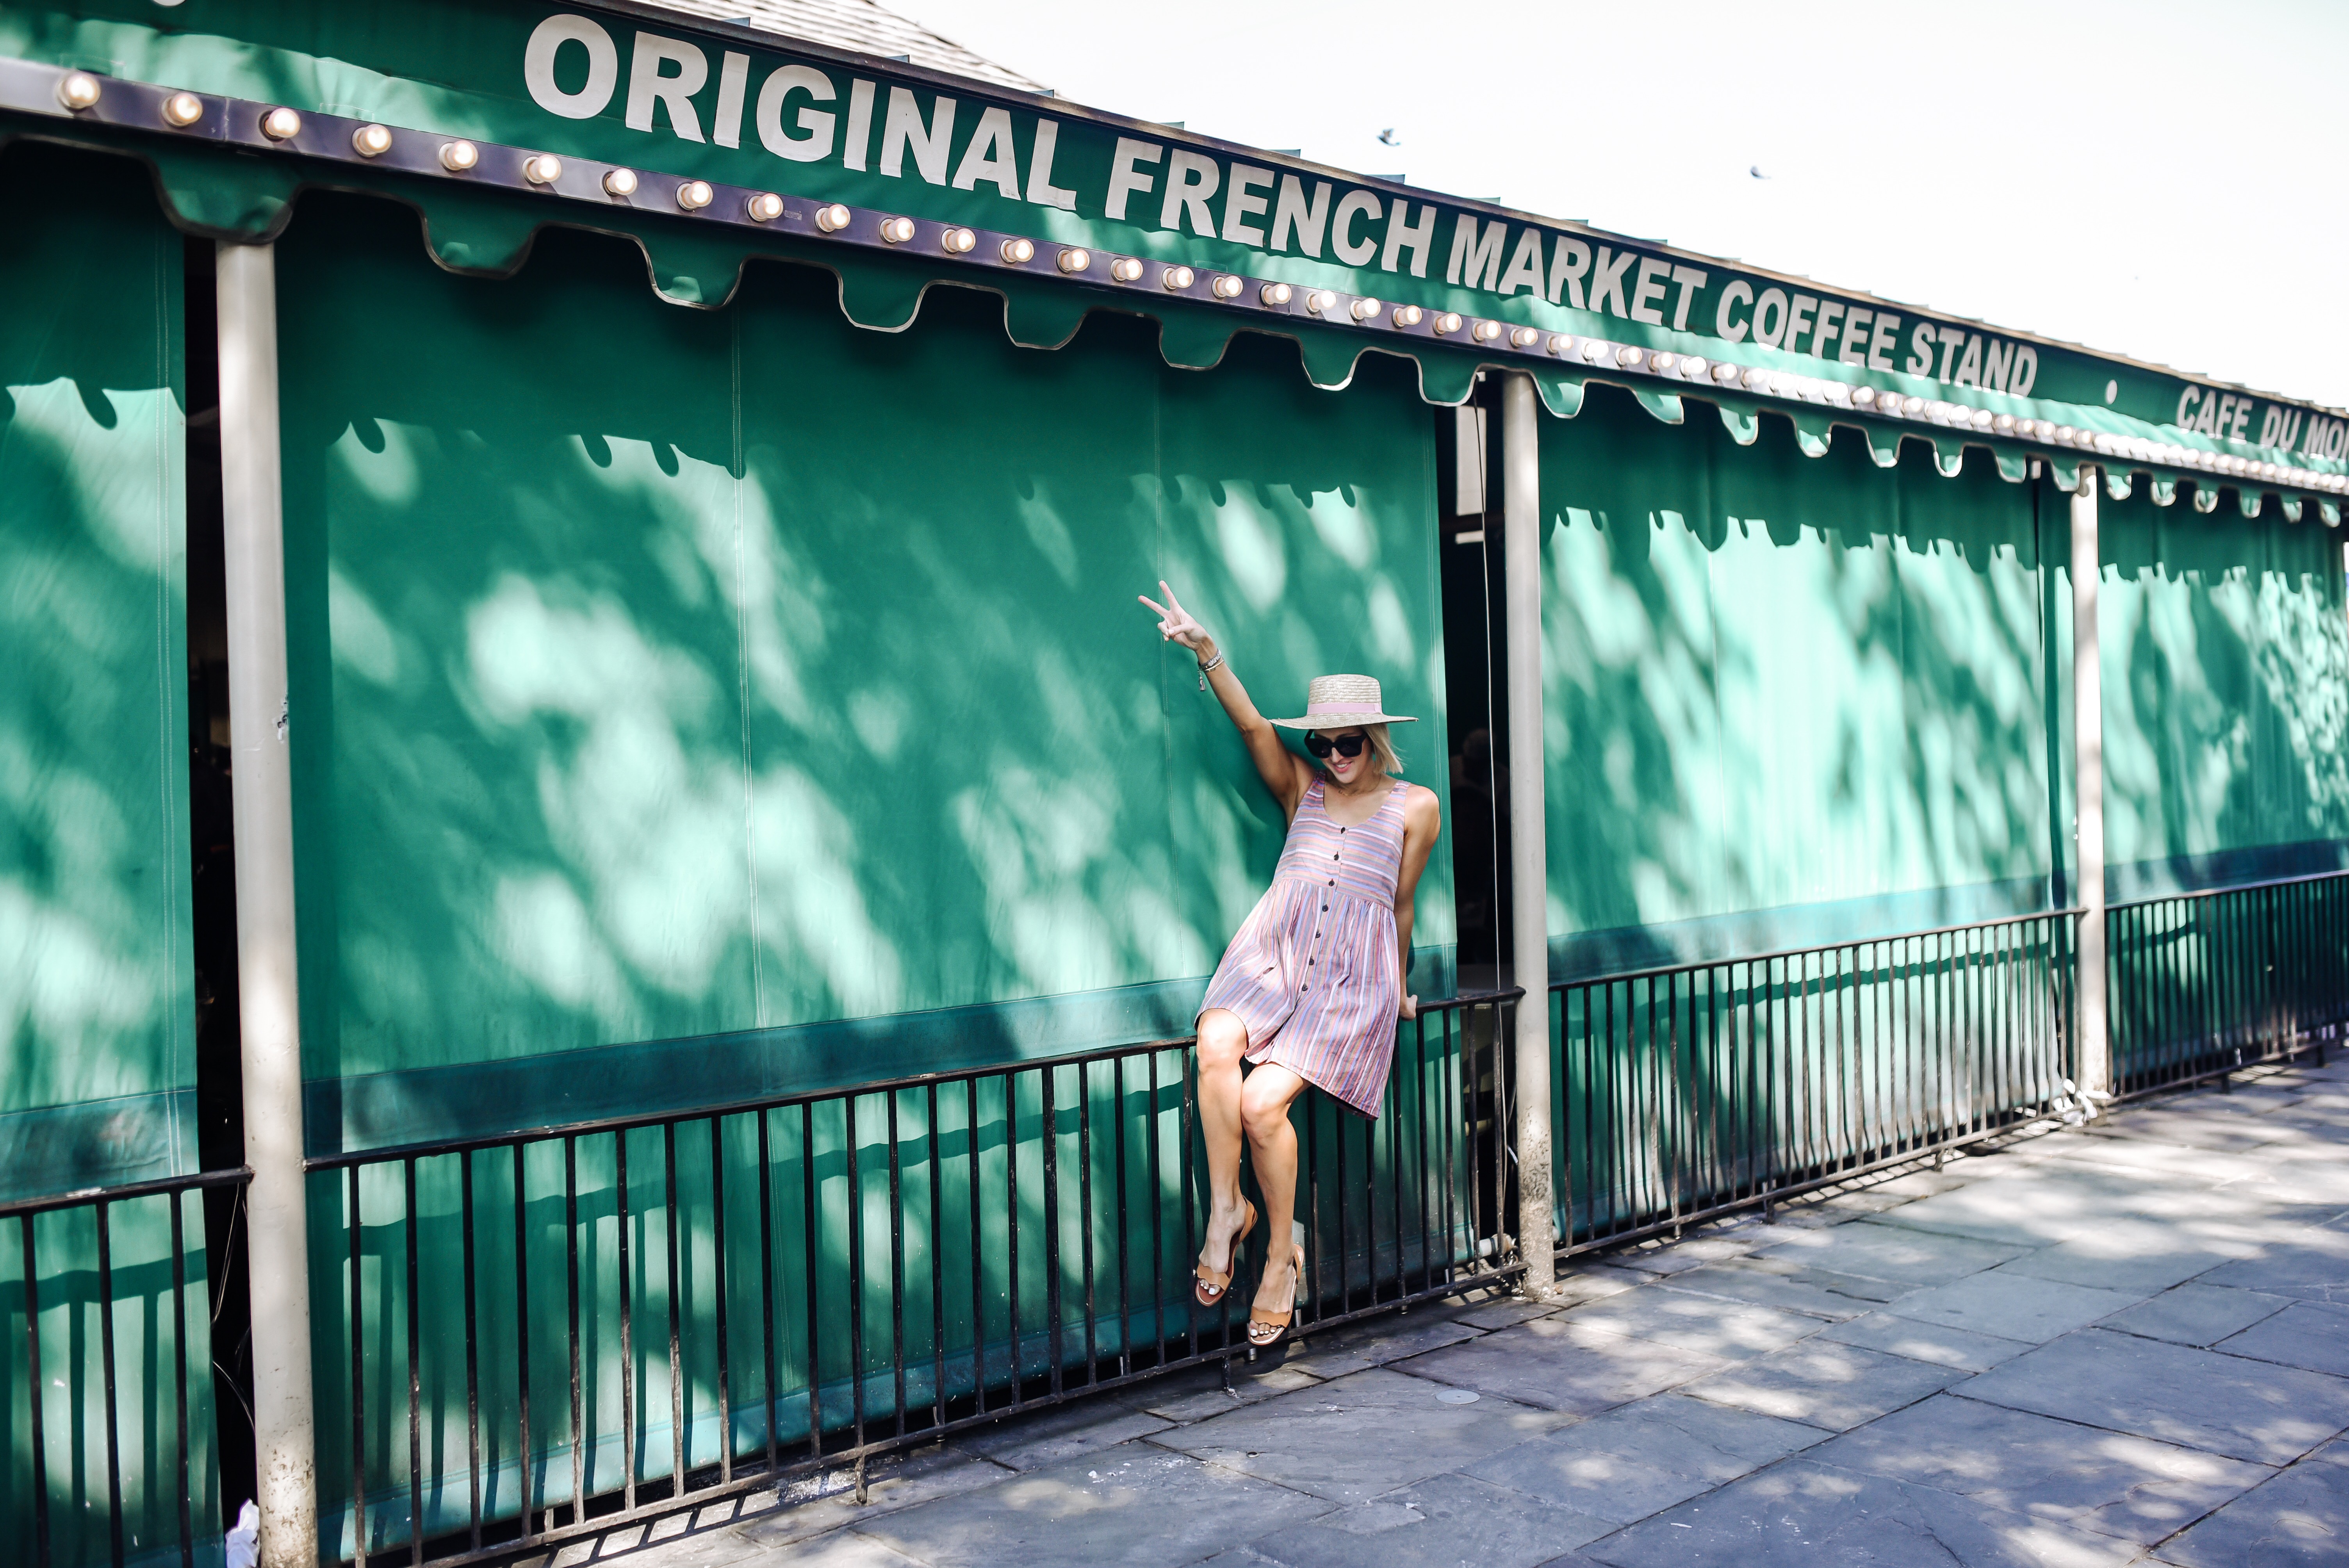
[
  {"x": 2003, "y": 424},
  {"x": 957, "y": 241},
  {"x": 1126, "y": 269},
  {"x": 1275, "y": 293},
  {"x": 1229, "y": 286},
  {"x": 1485, "y": 331},
  {"x": 281, "y": 124},
  {"x": 1661, "y": 363},
  {"x": 694, "y": 194},
  {"x": 186, "y": 108},
  {"x": 1447, "y": 323},
  {"x": 77, "y": 90},
  {"x": 1525, "y": 338},
  {"x": 1365, "y": 308},
  {"x": 1628, "y": 357},
  {"x": 764, "y": 208},
  {"x": 1561, "y": 343},
  {"x": 457, "y": 157},
  {"x": 1408, "y": 315},
  {"x": 1594, "y": 350},
  {"x": 1982, "y": 419},
  {"x": 1177, "y": 278},
  {"x": 1321, "y": 302},
  {"x": 1863, "y": 397},
  {"x": 1016, "y": 253},
  {"x": 1724, "y": 373},
  {"x": 1912, "y": 407},
  {"x": 368, "y": 140},
  {"x": 546, "y": 169},
  {"x": 1073, "y": 261},
  {"x": 896, "y": 231},
  {"x": 831, "y": 220},
  {"x": 623, "y": 182}
]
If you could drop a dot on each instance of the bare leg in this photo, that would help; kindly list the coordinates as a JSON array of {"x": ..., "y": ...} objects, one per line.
[
  {"x": 1223, "y": 1041},
  {"x": 1264, "y": 1111}
]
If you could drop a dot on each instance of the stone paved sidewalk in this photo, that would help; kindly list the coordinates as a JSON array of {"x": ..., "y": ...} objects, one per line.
[{"x": 2124, "y": 1345}]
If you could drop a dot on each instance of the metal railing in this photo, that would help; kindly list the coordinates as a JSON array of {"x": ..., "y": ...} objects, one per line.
[
  {"x": 1685, "y": 1092},
  {"x": 111, "y": 1461},
  {"x": 2203, "y": 983},
  {"x": 553, "y": 1332},
  {"x": 741, "y": 1293}
]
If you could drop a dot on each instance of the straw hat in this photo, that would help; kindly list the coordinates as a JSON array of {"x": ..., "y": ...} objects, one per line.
[{"x": 1343, "y": 702}]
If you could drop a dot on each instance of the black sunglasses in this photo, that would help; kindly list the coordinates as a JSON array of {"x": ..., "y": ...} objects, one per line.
[{"x": 1321, "y": 746}]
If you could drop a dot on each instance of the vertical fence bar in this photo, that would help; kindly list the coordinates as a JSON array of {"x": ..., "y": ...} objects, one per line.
[
  {"x": 522, "y": 1344},
  {"x": 473, "y": 1361},
  {"x": 179, "y": 1367},
  {"x": 106, "y": 1382},
  {"x": 718, "y": 1285},
  {"x": 358, "y": 1376}
]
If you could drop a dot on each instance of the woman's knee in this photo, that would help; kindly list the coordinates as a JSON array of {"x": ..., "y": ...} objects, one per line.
[
  {"x": 1223, "y": 1039},
  {"x": 1263, "y": 1111}
]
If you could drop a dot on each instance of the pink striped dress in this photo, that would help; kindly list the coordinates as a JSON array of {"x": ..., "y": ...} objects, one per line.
[{"x": 1311, "y": 972}]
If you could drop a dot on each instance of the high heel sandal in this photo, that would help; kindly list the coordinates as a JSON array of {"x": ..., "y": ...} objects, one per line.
[
  {"x": 1209, "y": 1286},
  {"x": 1266, "y": 1330}
]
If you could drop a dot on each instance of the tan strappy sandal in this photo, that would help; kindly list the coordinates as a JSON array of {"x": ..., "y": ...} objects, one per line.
[
  {"x": 1266, "y": 1330},
  {"x": 1209, "y": 1287}
]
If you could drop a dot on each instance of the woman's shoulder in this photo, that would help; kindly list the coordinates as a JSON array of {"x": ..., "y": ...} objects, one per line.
[{"x": 1418, "y": 800}]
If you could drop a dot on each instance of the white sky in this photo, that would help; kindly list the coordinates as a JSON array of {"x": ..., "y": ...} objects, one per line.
[{"x": 2155, "y": 179}]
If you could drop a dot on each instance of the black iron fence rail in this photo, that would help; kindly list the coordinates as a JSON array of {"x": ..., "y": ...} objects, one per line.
[
  {"x": 1689, "y": 1092},
  {"x": 2202, "y": 984},
  {"x": 922, "y": 1255},
  {"x": 151, "y": 1391},
  {"x": 752, "y": 1291}
]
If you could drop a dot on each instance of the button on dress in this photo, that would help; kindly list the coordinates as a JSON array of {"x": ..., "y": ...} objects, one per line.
[{"x": 1312, "y": 972}]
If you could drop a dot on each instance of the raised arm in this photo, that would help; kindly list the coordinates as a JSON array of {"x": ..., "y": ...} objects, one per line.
[{"x": 1284, "y": 772}]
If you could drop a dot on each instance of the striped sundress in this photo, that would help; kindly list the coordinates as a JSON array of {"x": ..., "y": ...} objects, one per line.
[{"x": 1311, "y": 972}]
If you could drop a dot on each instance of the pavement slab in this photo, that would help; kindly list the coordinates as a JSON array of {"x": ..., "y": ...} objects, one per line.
[
  {"x": 2196, "y": 1314},
  {"x": 1375, "y": 1343},
  {"x": 2174, "y": 1394},
  {"x": 1897, "y": 1254},
  {"x": 1633, "y": 1461},
  {"x": 814, "y": 1504},
  {"x": 1047, "y": 1437},
  {"x": 2300, "y": 1516},
  {"x": 2014, "y": 1305},
  {"x": 1804, "y": 1514},
  {"x": 1440, "y": 1523},
  {"x": 1559, "y": 1364},
  {"x": 1934, "y": 1342},
  {"x": 2313, "y": 1265},
  {"x": 1825, "y": 1383},
  {"x": 1136, "y": 1504},
  {"x": 2306, "y": 1334},
  {"x": 2046, "y": 1469},
  {"x": 1199, "y": 1393},
  {"x": 1708, "y": 1324},
  {"x": 1349, "y": 1440},
  {"x": 2127, "y": 1258},
  {"x": 1778, "y": 1282}
]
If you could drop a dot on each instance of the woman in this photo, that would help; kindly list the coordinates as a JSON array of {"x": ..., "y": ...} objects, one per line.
[{"x": 1310, "y": 990}]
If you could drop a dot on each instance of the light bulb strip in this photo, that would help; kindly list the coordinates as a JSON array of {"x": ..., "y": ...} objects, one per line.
[{"x": 30, "y": 88}]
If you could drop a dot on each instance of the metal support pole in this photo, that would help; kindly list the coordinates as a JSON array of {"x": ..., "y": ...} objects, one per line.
[
  {"x": 1529, "y": 856},
  {"x": 277, "y": 1240},
  {"x": 2092, "y": 1059}
]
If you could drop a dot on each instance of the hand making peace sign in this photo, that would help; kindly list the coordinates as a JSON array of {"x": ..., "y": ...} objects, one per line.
[{"x": 1176, "y": 623}]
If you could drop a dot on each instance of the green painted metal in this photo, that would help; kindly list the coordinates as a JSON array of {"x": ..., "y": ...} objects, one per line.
[
  {"x": 2225, "y": 649},
  {"x": 97, "y": 993},
  {"x": 681, "y": 97},
  {"x": 669, "y": 676},
  {"x": 1791, "y": 699}
]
